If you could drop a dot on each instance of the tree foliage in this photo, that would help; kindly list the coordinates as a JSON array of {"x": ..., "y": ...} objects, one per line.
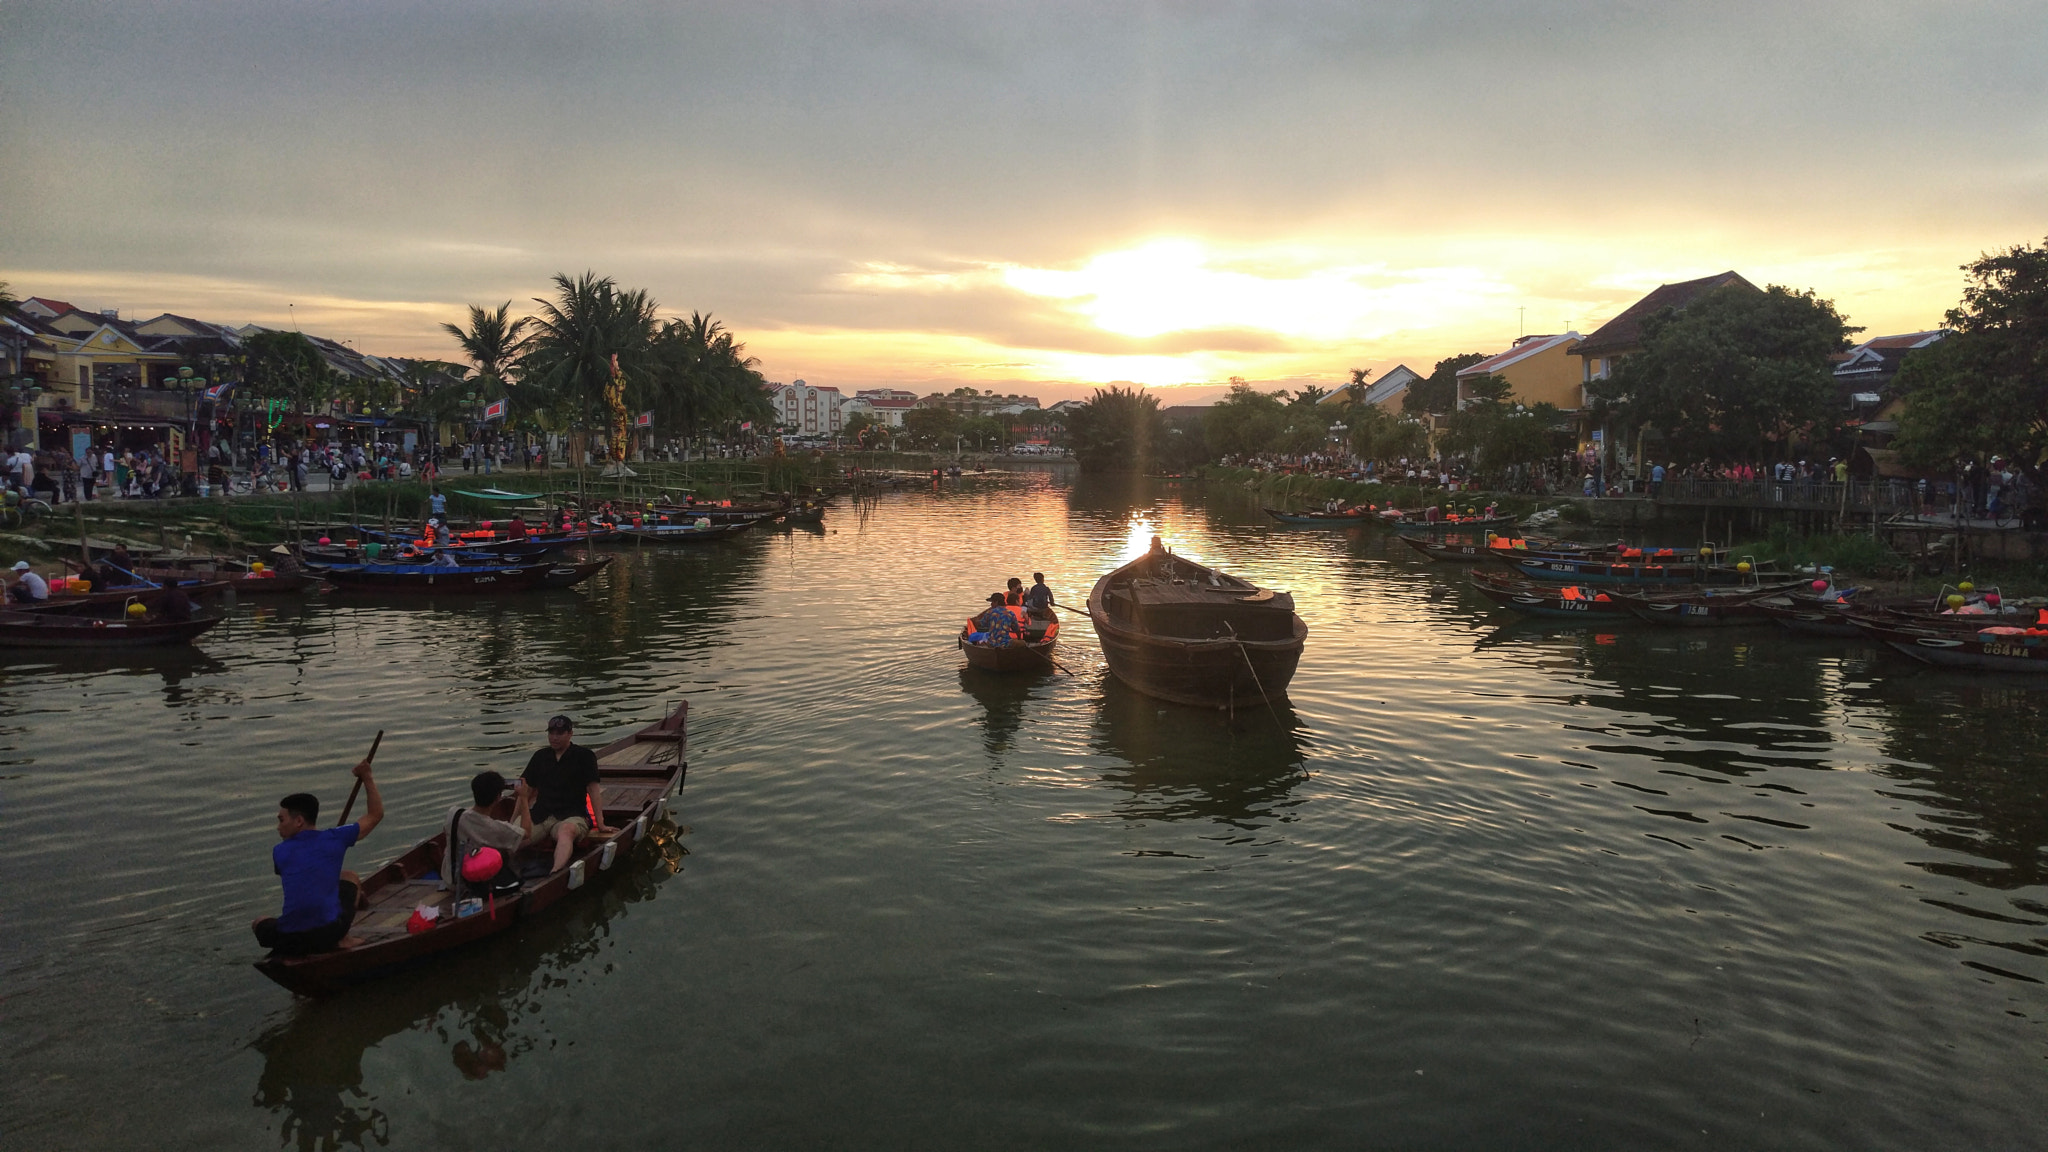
[
  {"x": 1983, "y": 391},
  {"x": 1118, "y": 430},
  {"x": 1438, "y": 394},
  {"x": 285, "y": 366},
  {"x": 1733, "y": 373},
  {"x": 702, "y": 378},
  {"x": 566, "y": 362},
  {"x": 931, "y": 427},
  {"x": 1246, "y": 422},
  {"x": 1377, "y": 434}
]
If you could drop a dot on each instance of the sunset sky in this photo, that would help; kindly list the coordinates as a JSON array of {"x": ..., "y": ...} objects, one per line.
[{"x": 1030, "y": 196}]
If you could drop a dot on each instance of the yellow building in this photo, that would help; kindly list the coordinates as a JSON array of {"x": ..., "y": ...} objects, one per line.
[{"x": 1538, "y": 369}]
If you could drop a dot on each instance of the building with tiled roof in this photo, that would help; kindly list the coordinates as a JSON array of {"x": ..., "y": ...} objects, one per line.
[
  {"x": 1624, "y": 334},
  {"x": 1538, "y": 369}
]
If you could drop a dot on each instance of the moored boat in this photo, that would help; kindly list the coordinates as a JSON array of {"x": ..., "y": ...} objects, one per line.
[
  {"x": 1456, "y": 524},
  {"x": 1186, "y": 633},
  {"x": 638, "y": 774},
  {"x": 1344, "y": 519},
  {"x": 460, "y": 578},
  {"x": 1591, "y": 570},
  {"x": 1033, "y": 653},
  {"x": 1704, "y": 607},
  {"x": 1560, "y": 600},
  {"x": 1992, "y": 647},
  {"x": 69, "y": 630}
]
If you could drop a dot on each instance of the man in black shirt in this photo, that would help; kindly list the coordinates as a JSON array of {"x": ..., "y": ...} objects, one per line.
[{"x": 559, "y": 778}]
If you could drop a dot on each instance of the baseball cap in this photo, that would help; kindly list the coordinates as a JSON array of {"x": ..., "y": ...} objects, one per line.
[
  {"x": 561, "y": 724},
  {"x": 21, "y": 565}
]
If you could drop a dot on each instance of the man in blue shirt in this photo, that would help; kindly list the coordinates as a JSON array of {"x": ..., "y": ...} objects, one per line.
[{"x": 319, "y": 898}]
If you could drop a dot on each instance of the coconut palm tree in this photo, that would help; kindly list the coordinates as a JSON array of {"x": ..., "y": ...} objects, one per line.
[
  {"x": 703, "y": 378},
  {"x": 491, "y": 342},
  {"x": 565, "y": 363}
]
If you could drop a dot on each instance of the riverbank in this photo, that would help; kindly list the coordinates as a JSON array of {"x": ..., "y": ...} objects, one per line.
[{"x": 1923, "y": 566}]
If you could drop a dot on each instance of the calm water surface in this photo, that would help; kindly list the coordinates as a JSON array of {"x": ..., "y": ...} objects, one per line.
[{"x": 1480, "y": 886}]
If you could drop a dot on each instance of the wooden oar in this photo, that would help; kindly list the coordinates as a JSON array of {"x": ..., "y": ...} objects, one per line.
[{"x": 345, "y": 808}]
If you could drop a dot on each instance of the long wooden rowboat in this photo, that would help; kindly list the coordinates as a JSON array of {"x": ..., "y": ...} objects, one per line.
[
  {"x": 1448, "y": 553},
  {"x": 269, "y": 582},
  {"x": 638, "y": 775},
  {"x": 89, "y": 603},
  {"x": 1176, "y": 630},
  {"x": 1322, "y": 519},
  {"x": 65, "y": 630},
  {"x": 1033, "y": 654},
  {"x": 464, "y": 579},
  {"x": 1570, "y": 570},
  {"x": 1704, "y": 607},
  {"x": 2010, "y": 649},
  {"x": 682, "y": 533},
  {"x": 1560, "y": 600},
  {"x": 1462, "y": 524}
]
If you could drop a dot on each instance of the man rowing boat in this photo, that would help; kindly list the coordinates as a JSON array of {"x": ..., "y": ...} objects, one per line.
[{"x": 319, "y": 897}]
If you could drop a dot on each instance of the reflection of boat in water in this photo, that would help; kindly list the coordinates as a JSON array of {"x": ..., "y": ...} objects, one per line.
[
  {"x": 1003, "y": 697},
  {"x": 1183, "y": 632},
  {"x": 488, "y": 1010},
  {"x": 1181, "y": 765}
]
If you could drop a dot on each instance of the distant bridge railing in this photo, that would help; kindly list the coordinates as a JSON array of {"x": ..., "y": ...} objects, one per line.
[{"x": 1879, "y": 495}]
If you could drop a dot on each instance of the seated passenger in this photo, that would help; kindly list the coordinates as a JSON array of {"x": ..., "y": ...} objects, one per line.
[
  {"x": 995, "y": 627},
  {"x": 1038, "y": 597},
  {"x": 1015, "y": 596},
  {"x": 474, "y": 827},
  {"x": 563, "y": 779}
]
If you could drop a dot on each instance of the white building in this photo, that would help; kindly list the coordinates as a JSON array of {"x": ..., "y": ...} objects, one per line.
[
  {"x": 883, "y": 405},
  {"x": 811, "y": 411}
]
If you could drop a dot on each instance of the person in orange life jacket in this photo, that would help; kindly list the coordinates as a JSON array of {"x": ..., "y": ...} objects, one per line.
[
  {"x": 1014, "y": 598},
  {"x": 475, "y": 827},
  {"x": 995, "y": 627},
  {"x": 561, "y": 778},
  {"x": 319, "y": 897}
]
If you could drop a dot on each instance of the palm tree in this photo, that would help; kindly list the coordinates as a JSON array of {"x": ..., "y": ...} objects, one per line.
[
  {"x": 565, "y": 366},
  {"x": 703, "y": 378},
  {"x": 491, "y": 342}
]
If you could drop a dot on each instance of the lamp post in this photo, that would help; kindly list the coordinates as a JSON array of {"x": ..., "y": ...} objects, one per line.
[{"x": 22, "y": 391}]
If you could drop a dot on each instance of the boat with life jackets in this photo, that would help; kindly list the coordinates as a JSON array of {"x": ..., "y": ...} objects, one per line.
[
  {"x": 1190, "y": 634},
  {"x": 1028, "y": 648},
  {"x": 1990, "y": 646},
  {"x": 1560, "y": 600},
  {"x": 639, "y": 777}
]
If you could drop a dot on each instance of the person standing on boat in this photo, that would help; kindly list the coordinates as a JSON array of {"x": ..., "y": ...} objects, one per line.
[
  {"x": 319, "y": 897},
  {"x": 563, "y": 777},
  {"x": 437, "y": 505}
]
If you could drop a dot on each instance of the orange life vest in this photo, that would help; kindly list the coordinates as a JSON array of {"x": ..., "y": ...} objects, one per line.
[{"x": 1013, "y": 599}]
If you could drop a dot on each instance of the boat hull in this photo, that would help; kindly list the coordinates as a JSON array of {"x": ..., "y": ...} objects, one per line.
[
  {"x": 460, "y": 580},
  {"x": 1319, "y": 520},
  {"x": 1548, "y": 600},
  {"x": 1960, "y": 649},
  {"x": 63, "y": 630}
]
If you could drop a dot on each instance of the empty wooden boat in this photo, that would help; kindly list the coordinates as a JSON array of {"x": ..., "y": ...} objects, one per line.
[{"x": 1183, "y": 632}]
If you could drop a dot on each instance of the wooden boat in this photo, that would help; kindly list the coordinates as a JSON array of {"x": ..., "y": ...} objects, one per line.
[
  {"x": 1560, "y": 600},
  {"x": 682, "y": 532},
  {"x": 1446, "y": 552},
  {"x": 61, "y": 598},
  {"x": 1177, "y": 630},
  {"x": 1810, "y": 616},
  {"x": 1592, "y": 570},
  {"x": 638, "y": 775},
  {"x": 269, "y": 582},
  {"x": 1704, "y": 607},
  {"x": 68, "y": 630},
  {"x": 805, "y": 514},
  {"x": 1456, "y": 524},
  {"x": 1989, "y": 648},
  {"x": 1032, "y": 654},
  {"x": 1322, "y": 519},
  {"x": 459, "y": 578}
]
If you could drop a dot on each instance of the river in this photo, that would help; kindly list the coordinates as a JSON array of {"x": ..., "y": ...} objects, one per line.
[{"x": 1480, "y": 886}]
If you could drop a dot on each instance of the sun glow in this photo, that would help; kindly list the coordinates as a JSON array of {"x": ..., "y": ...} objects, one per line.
[{"x": 1179, "y": 285}]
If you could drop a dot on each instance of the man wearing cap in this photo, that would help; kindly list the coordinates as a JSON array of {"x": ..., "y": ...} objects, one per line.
[
  {"x": 995, "y": 627},
  {"x": 562, "y": 777},
  {"x": 27, "y": 587}
]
